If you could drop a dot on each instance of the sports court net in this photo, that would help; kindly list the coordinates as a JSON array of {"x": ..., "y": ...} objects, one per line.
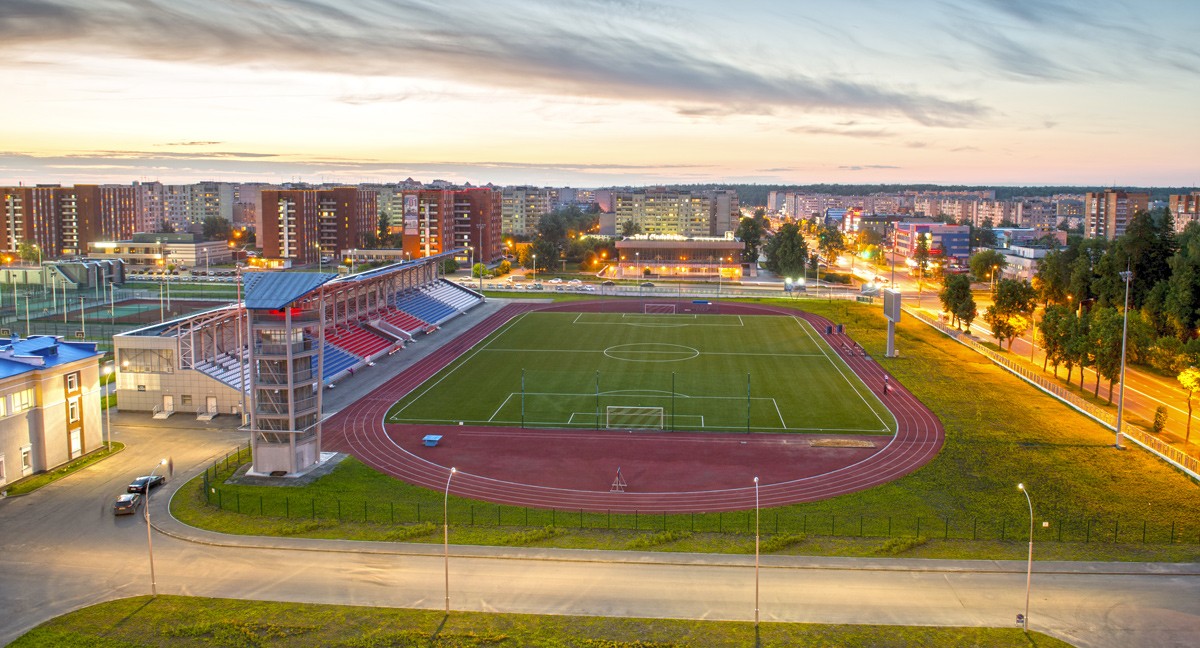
[{"x": 634, "y": 418}]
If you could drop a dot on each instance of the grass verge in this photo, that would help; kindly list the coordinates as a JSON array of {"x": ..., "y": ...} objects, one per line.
[
  {"x": 1102, "y": 504},
  {"x": 183, "y": 621},
  {"x": 34, "y": 482}
]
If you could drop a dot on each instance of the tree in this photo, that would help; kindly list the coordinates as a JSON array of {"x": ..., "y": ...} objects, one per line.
[
  {"x": 449, "y": 266},
  {"x": 630, "y": 228},
  {"x": 165, "y": 227},
  {"x": 1056, "y": 323},
  {"x": 957, "y": 300},
  {"x": 1012, "y": 309},
  {"x": 921, "y": 254},
  {"x": 1105, "y": 335},
  {"x": 1189, "y": 379},
  {"x": 478, "y": 270},
  {"x": 546, "y": 253},
  {"x": 786, "y": 251},
  {"x": 383, "y": 230},
  {"x": 28, "y": 251},
  {"x": 750, "y": 232},
  {"x": 986, "y": 263},
  {"x": 216, "y": 228},
  {"x": 831, "y": 243}
]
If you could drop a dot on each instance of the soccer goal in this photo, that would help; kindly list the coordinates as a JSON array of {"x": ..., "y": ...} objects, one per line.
[
  {"x": 658, "y": 309},
  {"x": 634, "y": 418}
]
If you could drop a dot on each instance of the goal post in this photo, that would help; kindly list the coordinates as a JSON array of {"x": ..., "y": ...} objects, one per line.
[
  {"x": 633, "y": 418},
  {"x": 658, "y": 309}
]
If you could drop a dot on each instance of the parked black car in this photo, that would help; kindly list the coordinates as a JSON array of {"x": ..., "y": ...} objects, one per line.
[
  {"x": 127, "y": 504},
  {"x": 139, "y": 484}
]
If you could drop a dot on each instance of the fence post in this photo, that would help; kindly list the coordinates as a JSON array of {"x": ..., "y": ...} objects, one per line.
[{"x": 220, "y": 500}]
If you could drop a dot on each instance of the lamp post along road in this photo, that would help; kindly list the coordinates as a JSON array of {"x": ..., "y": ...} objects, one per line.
[
  {"x": 149, "y": 541},
  {"x": 1126, "y": 276},
  {"x": 1029, "y": 565},
  {"x": 446, "y": 536},
  {"x": 108, "y": 369},
  {"x": 756, "y": 554}
]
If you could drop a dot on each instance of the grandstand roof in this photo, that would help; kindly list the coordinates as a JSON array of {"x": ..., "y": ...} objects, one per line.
[{"x": 272, "y": 290}]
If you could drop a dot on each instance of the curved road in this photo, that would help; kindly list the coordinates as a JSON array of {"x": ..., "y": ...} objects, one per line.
[{"x": 63, "y": 549}]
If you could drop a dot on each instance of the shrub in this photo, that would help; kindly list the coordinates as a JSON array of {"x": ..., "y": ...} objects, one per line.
[
  {"x": 780, "y": 542},
  {"x": 307, "y": 526},
  {"x": 531, "y": 536},
  {"x": 654, "y": 540},
  {"x": 897, "y": 546},
  {"x": 413, "y": 531},
  {"x": 1160, "y": 419}
]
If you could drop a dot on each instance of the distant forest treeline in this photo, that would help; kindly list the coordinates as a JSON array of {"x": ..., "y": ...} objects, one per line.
[{"x": 756, "y": 194}]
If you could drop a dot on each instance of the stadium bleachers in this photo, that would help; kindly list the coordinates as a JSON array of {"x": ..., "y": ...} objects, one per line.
[
  {"x": 403, "y": 320},
  {"x": 229, "y": 368},
  {"x": 357, "y": 341},
  {"x": 453, "y": 296},
  {"x": 336, "y": 361},
  {"x": 424, "y": 307}
]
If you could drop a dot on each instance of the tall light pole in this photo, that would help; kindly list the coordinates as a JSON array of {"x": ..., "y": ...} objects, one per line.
[
  {"x": 149, "y": 542},
  {"x": 481, "y": 261},
  {"x": 535, "y": 267},
  {"x": 108, "y": 369},
  {"x": 1126, "y": 276},
  {"x": 756, "y": 555},
  {"x": 1029, "y": 568},
  {"x": 446, "y": 536}
]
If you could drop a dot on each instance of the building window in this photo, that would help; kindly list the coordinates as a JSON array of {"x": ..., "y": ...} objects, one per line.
[
  {"x": 20, "y": 401},
  {"x": 73, "y": 410},
  {"x": 73, "y": 381},
  {"x": 3, "y": 477},
  {"x": 185, "y": 399},
  {"x": 27, "y": 458}
]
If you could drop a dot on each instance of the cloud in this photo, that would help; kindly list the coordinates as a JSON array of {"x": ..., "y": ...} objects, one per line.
[
  {"x": 865, "y": 133},
  {"x": 623, "y": 50},
  {"x": 190, "y": 144},
  {"x": 866, "y": 167}
]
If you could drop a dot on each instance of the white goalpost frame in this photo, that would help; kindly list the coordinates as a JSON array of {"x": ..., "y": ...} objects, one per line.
[
  {"x": 634, "y": 418},
  {"x": 658, "y": 309}
]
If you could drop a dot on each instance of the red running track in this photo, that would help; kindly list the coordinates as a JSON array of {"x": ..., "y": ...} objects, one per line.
[{"x": 676, "y": 472}]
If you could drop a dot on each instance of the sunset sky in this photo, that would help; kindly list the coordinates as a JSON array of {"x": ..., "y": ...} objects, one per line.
[{"x": 601, "y": 92}]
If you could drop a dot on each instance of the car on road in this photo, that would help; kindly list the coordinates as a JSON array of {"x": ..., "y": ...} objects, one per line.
[
  {"x": 648, "y": 284},
  {"x": 556, "y": 280},
  {"x": 608, "y": 282},
  {"x": 127, "y": 503},
  {"x": 139, "y": 485},
  {"x": 588, "y": 288}
]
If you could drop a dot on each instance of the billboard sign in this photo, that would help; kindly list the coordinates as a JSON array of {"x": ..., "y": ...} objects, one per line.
[
  {"x": 411, "y": 215},
  {"x": 891, "y": 304}
]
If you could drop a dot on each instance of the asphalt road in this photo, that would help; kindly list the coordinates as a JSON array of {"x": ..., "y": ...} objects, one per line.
[{"x": 64, "y": 549}]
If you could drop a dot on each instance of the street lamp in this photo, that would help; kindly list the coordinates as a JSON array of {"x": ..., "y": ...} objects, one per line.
[
  {"x": 1029, "y": 568},
  {"x": 446, "y": 536},
  {"x": 994, "y": 267},
  {"x": 149, "y": 542},
  {"x": 756, "y": 555},
  {"x": 1126, "y": 276},
  {"x": 535, "y": 267}
]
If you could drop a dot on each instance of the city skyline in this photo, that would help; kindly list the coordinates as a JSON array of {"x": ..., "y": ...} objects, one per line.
[{"x": 594, "y": 93}]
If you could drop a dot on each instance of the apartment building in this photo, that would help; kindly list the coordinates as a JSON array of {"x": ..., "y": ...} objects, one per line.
[
  {"x": 522, "y": 208},
  {"x": 305, "y": 225},
  {"x": 667, "y": 212},
  {"x": 63, "y": 221},
  {"x": 1185, "y": 208},
  {"x": 1107, "y": 213}
]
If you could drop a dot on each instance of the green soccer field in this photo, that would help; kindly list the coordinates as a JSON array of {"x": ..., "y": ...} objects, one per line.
[{"x": 647, "y": 371}]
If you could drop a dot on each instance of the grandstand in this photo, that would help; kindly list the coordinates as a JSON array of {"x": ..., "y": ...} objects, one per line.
[{"x": 266, "y": 358}]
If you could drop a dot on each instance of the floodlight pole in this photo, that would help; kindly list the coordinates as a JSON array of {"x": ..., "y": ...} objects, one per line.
[
  {"x": 1029, "y": 568},
  {"x": 149, "y": 542},
  {"x": 756, "y": 528}
]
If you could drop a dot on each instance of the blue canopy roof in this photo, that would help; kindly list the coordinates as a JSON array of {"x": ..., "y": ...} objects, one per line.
[{"x": 274, "y": 290}]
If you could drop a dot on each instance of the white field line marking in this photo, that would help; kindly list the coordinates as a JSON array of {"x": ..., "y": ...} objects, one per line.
[{"x": 805, "y": 327}]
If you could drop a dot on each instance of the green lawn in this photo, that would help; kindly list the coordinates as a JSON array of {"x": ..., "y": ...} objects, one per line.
[
  {"x": 1103, "y": 504},
  {"x": 181, "y": 621},
  {"x": 625, "y": 370}
]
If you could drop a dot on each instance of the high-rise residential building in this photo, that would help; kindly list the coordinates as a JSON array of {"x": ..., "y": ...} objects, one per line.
[
  {"x": 673, "y": 213},
  {"x": 436, "y": 221},
  {"x": 62, "y": 221},
  {"x": 304, "y": 225},
  {"x": 1107, "y": 213},
  {"x": 522, "y": 209},
  {"x": 1039, "y": 213},
  {"x": 724, "y": 212},
  {"x": 1185, "y": 208}
]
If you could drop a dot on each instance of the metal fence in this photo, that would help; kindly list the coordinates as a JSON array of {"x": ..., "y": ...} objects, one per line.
[
  {"x": 1030, "y": 374},
  {"x": 279, "y": 503}
]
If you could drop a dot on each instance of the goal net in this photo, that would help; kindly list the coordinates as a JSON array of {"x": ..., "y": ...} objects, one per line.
[
  {"x": 634, "y": 418},
  {"x": 659, "y": 309}
]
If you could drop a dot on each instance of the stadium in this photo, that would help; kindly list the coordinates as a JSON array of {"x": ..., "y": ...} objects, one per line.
[{"x": 612, "y": 404}]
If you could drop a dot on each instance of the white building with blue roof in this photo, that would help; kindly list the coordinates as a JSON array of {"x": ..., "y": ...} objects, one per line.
[{"x": 49, "y": 404}]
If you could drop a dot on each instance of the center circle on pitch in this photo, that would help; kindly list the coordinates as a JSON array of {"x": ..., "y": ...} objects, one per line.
[{"x": 651, "y": 352}]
